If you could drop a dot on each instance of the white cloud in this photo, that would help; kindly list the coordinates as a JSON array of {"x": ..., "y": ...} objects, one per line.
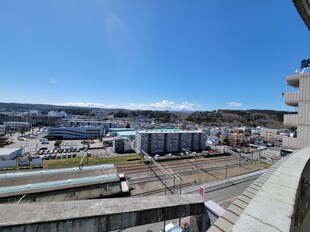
[
  {"x": 162, "y": 105},
  {"x": 234, "y": 104},
  {"x": 87, "y": 104}
]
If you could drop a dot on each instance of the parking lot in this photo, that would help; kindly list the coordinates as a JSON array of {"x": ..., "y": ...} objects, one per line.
[
  {"x": 34, "y": 145},
  {"x": 56, "y": 153}
]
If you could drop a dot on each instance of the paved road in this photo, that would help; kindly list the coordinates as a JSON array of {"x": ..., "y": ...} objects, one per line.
[
  {"x": 228, "y": 192},
  {"x": 216, "y": 196}
]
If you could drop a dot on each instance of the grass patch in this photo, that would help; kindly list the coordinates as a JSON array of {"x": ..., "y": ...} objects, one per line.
[{"x": 73, "y": 162}]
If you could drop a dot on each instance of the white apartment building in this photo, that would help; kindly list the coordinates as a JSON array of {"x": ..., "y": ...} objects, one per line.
[
  {"x": 301, "y": 120},
  {"x": 160, "y": 141},
  {"x": 16, "y": 126}
]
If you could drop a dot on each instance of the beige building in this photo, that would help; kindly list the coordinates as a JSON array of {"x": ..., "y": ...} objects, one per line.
[
  {"x": 301, "y": 120},
  {"x": 268, "y": 133}
]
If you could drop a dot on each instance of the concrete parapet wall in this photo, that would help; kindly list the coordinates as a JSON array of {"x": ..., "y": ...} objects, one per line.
[
  {"x": 279, "y": 200},
  {"x": 97, "y": 215}
]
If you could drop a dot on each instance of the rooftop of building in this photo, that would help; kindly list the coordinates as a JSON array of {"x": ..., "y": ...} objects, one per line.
[
  {"x": 6, "y": 151},
  {"x": 17, "y": 123},
  {"x": 115, "y": 129},
  {"x": 168, "y": 130},
  {"x": 88, "y": 121},
  {"x": 20, "y": 183},
  {"x": 126, "y": 133}
]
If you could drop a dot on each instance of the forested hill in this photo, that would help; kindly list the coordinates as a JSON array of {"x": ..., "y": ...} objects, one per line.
[
  {"x": 267, "y": 118},
  {"x": 253, "y": 118}
]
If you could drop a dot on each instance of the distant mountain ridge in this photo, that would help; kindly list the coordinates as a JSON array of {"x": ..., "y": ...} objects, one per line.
[{"x": 267, "y": 118}]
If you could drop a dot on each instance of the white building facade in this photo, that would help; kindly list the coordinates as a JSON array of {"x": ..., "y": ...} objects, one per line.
[
  {"x": 301, "y": 120},
  {"x": 80, "y": 130}
]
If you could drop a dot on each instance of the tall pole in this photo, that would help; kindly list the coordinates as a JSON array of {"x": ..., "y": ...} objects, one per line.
[
  {"x": 165, "y": 211},
  {"x": 226, "y": 171},
  {"x": 165, "y": 188},
  {"x": 173, "y": 183},
  {"x": 260, "y": 162},
  {"x": 180, "y": 187}
]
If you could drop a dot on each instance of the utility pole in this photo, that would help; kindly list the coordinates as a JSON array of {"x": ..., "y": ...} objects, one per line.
[
  {"x": 225, "y": 170},
  {"x": 165, "y": 187},
  {"x": 180, "y": 179},
  {"x": 173, "y": 183},
  {"x": 260, "y": 161}
]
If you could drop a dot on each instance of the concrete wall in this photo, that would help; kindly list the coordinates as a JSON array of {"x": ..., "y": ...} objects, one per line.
[
  {"x": 97, "y": 215},
  {"x": 279, "y": 200}
]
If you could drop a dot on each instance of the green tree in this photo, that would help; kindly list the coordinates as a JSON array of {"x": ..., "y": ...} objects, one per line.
[{"x": 57, "y": 143}]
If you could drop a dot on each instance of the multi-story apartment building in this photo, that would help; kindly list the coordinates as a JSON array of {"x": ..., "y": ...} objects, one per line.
[
  {"x": 301, "y": 120},
  {"x": 267, "y": 133},
  {"x": 16, "y": 126},
  {"x": 160, "y": 141},
  {"x": 12, "y": 117},
  {"x": 172, "y": 142}
]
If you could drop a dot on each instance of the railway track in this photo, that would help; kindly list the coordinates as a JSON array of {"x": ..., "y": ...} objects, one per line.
[
  {"x": 190, "y": 167},
  {"x": 162, "y": 190},
  {"x": 128, "y": 169},
  {"x": 199, "y": 169}
]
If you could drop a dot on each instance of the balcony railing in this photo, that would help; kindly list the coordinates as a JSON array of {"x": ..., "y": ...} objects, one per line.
[
  {"x": 290, "y": 119},
  {"x": 292, "y": 98}
]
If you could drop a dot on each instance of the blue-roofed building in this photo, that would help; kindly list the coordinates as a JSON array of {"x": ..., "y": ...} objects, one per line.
[
  {"x": 114, "y": 131},
  {"x": 126, "y": 134}
]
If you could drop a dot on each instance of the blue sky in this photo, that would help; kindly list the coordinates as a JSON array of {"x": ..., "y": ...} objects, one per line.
[{"x": 197, "y": 55}]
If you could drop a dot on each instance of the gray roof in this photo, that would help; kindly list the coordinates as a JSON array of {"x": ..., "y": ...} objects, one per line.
[{"x": 7, "y": 151}]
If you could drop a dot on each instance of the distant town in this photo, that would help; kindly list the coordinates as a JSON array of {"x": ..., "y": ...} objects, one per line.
[
  {"x": 131, "y": 131},
  {"x": 86, "y": 153},
  {"x": 69, "y": 168}
]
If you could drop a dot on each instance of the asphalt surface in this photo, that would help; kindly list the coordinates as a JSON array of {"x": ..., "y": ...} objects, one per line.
[{"x": 216, "y": 196}]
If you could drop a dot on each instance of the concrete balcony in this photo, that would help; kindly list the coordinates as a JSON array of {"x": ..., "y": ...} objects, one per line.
[
  {"x": 290, "y": 119},
  {"x": 293, "y": 81},
  {"x": 291, "y": 143},
  {"x": 292, "y": 98}
]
